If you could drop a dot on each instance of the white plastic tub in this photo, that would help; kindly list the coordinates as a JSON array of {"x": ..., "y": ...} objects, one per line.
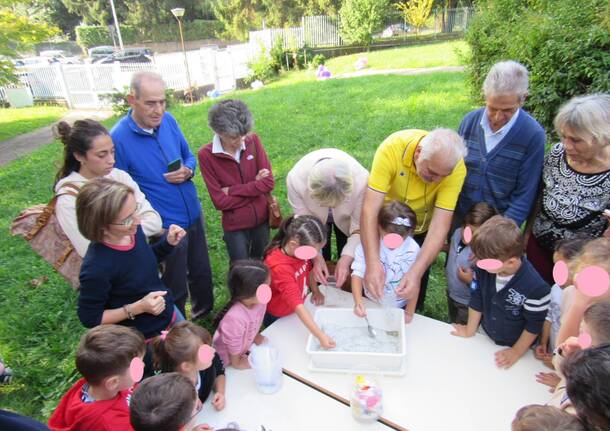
[{"x": 381, "y": 319}]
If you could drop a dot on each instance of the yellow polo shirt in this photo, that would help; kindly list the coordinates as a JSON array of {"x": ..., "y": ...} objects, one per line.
[{"x": 394, "y": 173}]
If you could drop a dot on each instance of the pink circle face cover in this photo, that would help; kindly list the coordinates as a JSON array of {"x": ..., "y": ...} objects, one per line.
[
  {"x": 392, "y": 241},
  {"x": 592, "y": 281},
  {"x": 584, "y": 340},
  {"x": 560, "y": 272},
  {"x": 467, "y": 234},
  {"x": 136, "y": 369},
  {"x": 205, "y": 354},
  {"x": 305, "y": 252},
  {"x": 263, "y": 294},
  {"x": 489, "y": 264}
]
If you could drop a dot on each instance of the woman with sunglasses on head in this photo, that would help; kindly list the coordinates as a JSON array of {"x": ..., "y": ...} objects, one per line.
[
  {"x": 119, "y": 280},
  {"x": 88, "y": 154}
]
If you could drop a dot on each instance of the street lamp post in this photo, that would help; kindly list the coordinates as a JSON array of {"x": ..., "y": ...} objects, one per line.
[
  {"x": 178, "y": 12},
  {"x": 116, "y": 24}
]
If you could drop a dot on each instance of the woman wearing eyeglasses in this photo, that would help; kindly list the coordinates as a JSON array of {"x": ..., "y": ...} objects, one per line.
[
  {"x": 88, "y": 154},
  {"x": 119, "y": 280}
]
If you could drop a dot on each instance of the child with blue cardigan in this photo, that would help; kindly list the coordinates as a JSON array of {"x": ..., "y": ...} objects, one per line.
[{"x": 510, "y": 299}]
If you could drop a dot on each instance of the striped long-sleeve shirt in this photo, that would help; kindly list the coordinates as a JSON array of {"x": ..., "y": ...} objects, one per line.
[{"x": 520, "y": 305}]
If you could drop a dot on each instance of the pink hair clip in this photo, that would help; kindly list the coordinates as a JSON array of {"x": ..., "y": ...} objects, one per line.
[{"x": 164, "y": 335}]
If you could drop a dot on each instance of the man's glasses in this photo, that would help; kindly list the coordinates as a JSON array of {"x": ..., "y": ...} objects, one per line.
[{"x": 128, "y": 221}]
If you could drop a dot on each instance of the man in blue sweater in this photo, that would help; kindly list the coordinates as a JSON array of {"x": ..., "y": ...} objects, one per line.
[
  {"x": 151, "y": 147},
  {"x": 505, "y": 147},
  {"x": 509, "y": 298}
]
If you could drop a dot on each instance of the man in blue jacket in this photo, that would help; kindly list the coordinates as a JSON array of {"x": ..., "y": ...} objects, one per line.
[
  {"x": 150, "y": 146},
  {"x": 505, "y": 147}
]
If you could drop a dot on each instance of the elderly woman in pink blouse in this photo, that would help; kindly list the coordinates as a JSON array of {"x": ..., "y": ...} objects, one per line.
[{"x": 330, "y": 184}]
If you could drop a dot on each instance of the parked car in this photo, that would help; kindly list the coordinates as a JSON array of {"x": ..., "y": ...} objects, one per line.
[
  {"x": 59, "y": 56},
  {"x": 129, "y": 55},
  {"x": 32, "y": 61},
  {"x": 99, "y": 52},
  {"x": 395, "y": 30}
]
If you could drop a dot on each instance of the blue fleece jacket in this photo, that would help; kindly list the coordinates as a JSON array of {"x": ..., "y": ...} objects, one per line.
[
  {"x": 520, "y": 305},
  {"x": 145, "y": 157},
  {"x": 507, "y": 177}
]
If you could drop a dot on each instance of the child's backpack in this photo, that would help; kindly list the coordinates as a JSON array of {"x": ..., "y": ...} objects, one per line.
[{"x": 39, "y": 226}]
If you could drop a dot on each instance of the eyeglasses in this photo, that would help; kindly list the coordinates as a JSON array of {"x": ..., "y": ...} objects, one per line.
[{"x": 128, "y": 221}]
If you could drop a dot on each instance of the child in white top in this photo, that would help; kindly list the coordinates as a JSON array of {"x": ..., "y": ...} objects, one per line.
[{"x": 397, "y": 220}]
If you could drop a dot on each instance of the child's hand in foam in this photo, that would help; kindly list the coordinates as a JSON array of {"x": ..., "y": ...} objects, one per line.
[
  {"x": 218, "y": 401},
  {"x": 359, "y": 310},
  {"x": 326, "y": 342}
]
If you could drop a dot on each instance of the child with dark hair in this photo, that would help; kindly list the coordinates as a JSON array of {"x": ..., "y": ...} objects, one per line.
[
  {"x": 510, "y": 298},
  {"x": 178, "y": 350},
  {"x": 100, "y": 400},
  {"x": 565, "y": 250},
  {"x": 545, "y": 418},
  {"x": 395, "y": 218},
  {"x": 289, "y": 258},
  {"x": 459, "y": 270},
  {"x": 588, "y": 373},
  {"x": 166, "y": 402},
  {"x": 239, "y": 323},
  {"x": 596, "y": 324}
]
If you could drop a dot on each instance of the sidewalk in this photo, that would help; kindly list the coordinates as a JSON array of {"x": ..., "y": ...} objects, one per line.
[{"x": 21, "y": 145}]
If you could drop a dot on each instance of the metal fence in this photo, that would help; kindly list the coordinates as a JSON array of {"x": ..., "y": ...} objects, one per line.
[
  {"x": 86, "y": 85},
  {"x": 324, "y": 31}
]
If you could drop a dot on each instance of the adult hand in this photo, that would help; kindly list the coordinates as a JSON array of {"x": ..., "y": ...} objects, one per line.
[
  {"x": 178, "y": 176},
  {"x": 408, "y": 288},
  {"x": 153, "y": 303},
  {"x": 549, "y": 379},
  {"x": 263, "y": 173},
  {"x": 218, "y": 401},
  {"x": 342, "y": 269},
  {"x": 506, "y": 358},
  {"x": 320, "y": 270},
  {"x": 374, "y": 279},
  {"x": 175, "y": 234}
]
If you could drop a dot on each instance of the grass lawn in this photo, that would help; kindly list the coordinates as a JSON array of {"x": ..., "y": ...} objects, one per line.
[
  {"x": 15, "y": 121},
  {"x": 39, "y": 329}
]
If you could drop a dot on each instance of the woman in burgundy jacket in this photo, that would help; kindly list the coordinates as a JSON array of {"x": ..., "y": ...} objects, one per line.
[{"x": 237, "y": 172}]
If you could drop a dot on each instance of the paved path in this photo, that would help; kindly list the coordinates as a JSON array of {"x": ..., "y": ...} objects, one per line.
[
  {"x": 21, "y": 145},
  {"x": 413, "y": 71}
]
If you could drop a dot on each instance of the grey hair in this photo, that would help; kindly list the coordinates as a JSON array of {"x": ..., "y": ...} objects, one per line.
[
  {"x": 506, "y": 77},
  {"x": 443, "y": 141},
  {"x": 330, "y": 182},
  {"x": 586, "y": 115},
  {"x": 136, "y": 81},
  {"x": 230, "y": 116}
]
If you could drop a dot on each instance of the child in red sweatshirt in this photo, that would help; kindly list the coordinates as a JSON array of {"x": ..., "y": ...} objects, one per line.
[
  {"x": 109, "y": 357},
  {"x": 299, "y": 239}
]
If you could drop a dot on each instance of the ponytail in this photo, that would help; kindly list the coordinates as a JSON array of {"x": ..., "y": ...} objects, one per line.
[{"x": 306, "y": 229}]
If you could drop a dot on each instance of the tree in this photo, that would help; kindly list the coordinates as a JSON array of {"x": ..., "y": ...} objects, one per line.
[
  {"x": 97, "y": 11},
  {"x": 238, "y": 17},
  {"x": 18, "y": 33},
  {"x": 360, "y": 19},
  {"x": 415, "y": 12}
]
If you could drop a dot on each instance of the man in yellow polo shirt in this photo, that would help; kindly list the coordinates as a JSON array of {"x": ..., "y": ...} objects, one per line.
[{"x": 426, "y": 171}]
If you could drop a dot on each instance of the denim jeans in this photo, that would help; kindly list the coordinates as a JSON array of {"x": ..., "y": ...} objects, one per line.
[{"x": 247, "y": 243}]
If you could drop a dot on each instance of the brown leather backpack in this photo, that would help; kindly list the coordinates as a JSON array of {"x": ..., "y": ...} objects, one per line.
[{"x": 40, "y": 228}]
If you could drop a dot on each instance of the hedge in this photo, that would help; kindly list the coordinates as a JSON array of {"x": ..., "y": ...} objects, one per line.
[
  {"x": 564, "y": 44},
  {"x": 94, "y": 35}
]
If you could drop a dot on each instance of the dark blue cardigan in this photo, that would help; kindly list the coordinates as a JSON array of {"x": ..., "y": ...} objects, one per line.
[{"x": 508, "y": 177}]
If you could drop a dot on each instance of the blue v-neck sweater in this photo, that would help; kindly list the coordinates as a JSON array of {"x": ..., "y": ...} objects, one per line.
[{"x": 507, "y": 177}]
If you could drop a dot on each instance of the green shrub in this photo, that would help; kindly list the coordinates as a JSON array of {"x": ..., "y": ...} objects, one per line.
[
  {"x": 120, "y": 106},
  {"x": 565, "y": 46},
  {"x": 317, "y": 60},
  {"x": 360, "y": 19},
  {"x": 263, "y": 67}
]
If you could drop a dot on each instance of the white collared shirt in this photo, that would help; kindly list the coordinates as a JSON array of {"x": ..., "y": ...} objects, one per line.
[
  {"x": 492, "y": 139},
  {"x": 218, "y": 148}
]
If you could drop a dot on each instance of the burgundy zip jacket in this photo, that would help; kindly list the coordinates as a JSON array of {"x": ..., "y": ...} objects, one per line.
[{"x": 245, "y": 206}]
